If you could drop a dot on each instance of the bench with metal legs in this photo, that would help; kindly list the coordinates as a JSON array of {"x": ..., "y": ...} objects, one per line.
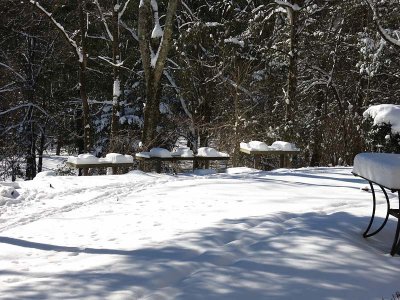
[{"x": 389, "y": 211}]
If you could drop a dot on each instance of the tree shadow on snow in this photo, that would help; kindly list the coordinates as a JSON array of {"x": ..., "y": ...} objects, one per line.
[{"x": 281, "y": 256}]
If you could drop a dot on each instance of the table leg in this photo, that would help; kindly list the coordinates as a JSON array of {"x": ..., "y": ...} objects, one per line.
[
  {"x": 257, "y": 161},
  {"x": 366, "y": 233},
  {"x": 396, "y": 242}
]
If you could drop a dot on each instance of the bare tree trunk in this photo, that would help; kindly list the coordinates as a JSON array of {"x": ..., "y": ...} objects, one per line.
[
  {"x": 153, "y": 65},
  {"x": 87, "y": 131},
  {"x": 31, "y": 142},
  {"x": 316, "y": 135},
  {"x": 291, "y": 91},
  {"x": 40, "y": 151},
  {"x": 117, "y": 82}
]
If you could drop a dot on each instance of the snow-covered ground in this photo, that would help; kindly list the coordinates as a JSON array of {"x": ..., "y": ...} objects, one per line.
[{"x": 243, "y": 234}]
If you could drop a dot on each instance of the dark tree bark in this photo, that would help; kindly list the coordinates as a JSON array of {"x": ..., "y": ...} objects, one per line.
[
  {"x": 153, "y": 66},
  {"x": 116, "y": 77},
  {"x": 291, "y": 90}
]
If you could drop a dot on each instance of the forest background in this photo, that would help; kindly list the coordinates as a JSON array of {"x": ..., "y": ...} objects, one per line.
[{"x": 122, "y": 76}]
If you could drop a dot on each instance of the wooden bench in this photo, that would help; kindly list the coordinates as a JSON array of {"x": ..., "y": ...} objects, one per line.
[
  {"x": 203, "y": 160},
  {"x": 99, "y": 165},
  {"x": 284, "y": 156},
  {"x": 383, "y": 170}
]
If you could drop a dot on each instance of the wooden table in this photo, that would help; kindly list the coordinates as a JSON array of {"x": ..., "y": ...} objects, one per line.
[
  {"x": 284, "y": 155},
  {"x": 203, "y": 160}
]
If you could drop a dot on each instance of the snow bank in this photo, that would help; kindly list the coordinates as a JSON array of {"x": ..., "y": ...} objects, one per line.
[
  {"x": 43, "y": 174},
  {"x": 284, "y": 146},
  {"x": 117, "y": 158},
  {"x": 160, "y": 152},
  {"x": 210, "y": 152},
  {"x": 382, "y": 168},
  {"x": 183, "y": 152},
  {"x": 385, "y": 113},
  {"x": 83, "y": 159},
  {"x": 7, "y": 193}
]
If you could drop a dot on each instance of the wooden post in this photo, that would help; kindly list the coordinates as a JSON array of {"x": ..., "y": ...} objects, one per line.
[
  {"x": 282, "y": 160},
  {"x": 257, "y": 161}
]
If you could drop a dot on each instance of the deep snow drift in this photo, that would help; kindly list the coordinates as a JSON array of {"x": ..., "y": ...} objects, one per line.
[{"x": 244, "y": 234}]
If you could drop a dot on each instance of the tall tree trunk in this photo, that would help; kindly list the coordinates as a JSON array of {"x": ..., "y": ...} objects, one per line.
[
  {"x": 316, "y": 135},
  {"x": 30, "y": 171},
  {"x": 40, "y": 151},
  {"x": 291, "y": 91},
  {"x": 117, "y": 82},
  {"x": 87, "y": 130},
  {"x": 153, "y": 65}
]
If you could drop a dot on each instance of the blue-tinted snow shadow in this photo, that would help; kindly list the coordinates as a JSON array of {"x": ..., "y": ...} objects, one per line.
[{"x": 283, "y": 256}]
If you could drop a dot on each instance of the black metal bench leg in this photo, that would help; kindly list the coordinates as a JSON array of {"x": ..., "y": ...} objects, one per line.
[
  {"x": 366, "y": 234},
  {"x": 396, "y": 242}
]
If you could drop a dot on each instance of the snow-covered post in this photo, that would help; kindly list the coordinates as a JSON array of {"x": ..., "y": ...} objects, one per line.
[{"x": 150, "y": 33}]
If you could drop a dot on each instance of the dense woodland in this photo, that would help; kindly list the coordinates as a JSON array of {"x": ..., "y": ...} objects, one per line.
[{"x": 126, "y": 75}]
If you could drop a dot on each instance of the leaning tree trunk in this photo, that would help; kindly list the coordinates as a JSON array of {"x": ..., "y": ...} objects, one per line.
[{"x": 153, "y": 64}]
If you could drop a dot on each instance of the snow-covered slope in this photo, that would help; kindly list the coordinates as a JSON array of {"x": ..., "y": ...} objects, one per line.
[{"x": 244, "y": 234}]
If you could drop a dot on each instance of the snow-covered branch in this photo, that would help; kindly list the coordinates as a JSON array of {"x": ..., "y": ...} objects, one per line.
[
  {"x": 131, "y": 30},
  {"x": 27, "y": 105},
  {"x": 73, "y": 43},
  {"x": 381, "y": 30},
  {"x": 13, "y": 71},
  {"x": 122, "y": 11},
  {"x": 110, "y": 36},
  {"x": 157, "y": 31},
  {"x": 119, "y": 64},
  {"x": 183, "y": 103},
  {"x": 294, "y": 7}
]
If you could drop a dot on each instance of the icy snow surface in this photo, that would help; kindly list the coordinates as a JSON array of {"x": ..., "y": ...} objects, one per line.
[
  {"x": 243, "y": 234},
  {"x": 382, "y": 168},
  {"x": 385, "y": 113}
]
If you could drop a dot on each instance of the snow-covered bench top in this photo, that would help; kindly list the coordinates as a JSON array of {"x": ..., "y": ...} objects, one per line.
[
  {"x": 261, "y": 147},
  {"x": 111, "y": 158},
  {"x": 182, "y": 154},
  {"x": 380, "y": 168}
]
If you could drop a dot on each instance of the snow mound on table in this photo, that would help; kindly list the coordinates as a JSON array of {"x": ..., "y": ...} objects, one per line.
[
  {"x": 143, "y": 154},
  {"x": 284, "y": 146},
  {"x": 210, "y": 152},
  {"x": 160, "y": 152},
  {"x": 83, "y": 159},
  {"x": 118, "y": 158},
  {"x": 183, "y": 152},
  {"x": 257, "y": 145},
  {"x": 385, "y": 113}
]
